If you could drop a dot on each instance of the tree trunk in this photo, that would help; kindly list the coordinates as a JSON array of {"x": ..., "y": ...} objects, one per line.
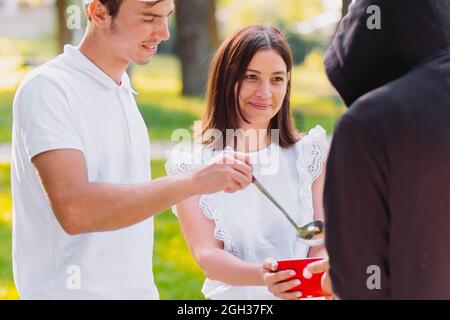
[
  {"x": 197, "y": 38},
  {"x": 63, "y": 33}
]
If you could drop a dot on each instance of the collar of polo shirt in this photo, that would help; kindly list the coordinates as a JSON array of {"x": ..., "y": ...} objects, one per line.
[{"x": 83, "y": 63}]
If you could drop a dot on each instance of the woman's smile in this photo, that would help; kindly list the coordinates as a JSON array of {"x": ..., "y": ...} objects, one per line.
[{"x": 259, "y": 105}]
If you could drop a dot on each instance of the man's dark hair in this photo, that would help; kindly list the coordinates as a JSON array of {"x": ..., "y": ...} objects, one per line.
[{"x": 113, "y": 7}]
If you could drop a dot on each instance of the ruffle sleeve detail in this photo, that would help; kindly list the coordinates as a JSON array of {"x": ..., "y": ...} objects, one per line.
[
  {"x": 210, "y": 210},
  {"x": 314, "y": 148},
  {"x": 311, "y": 153},
  {"x": 180, "y": 162}
]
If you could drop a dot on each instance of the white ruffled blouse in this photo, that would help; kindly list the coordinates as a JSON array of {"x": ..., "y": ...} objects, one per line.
[{"x": 249, "y": 225}]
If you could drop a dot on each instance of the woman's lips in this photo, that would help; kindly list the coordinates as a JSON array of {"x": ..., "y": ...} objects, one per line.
[{"x": 260, "y": 106}]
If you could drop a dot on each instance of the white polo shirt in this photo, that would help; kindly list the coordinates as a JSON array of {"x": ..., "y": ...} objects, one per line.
[{"x": 69, "y": 103}]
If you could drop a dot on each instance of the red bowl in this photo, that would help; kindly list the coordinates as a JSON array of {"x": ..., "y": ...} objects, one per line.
[{"x": 311, "y": 287}]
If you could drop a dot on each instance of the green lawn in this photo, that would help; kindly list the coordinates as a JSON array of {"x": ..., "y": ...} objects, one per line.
[
  {"x": 7, "y": 289},
  {"x": 176, "y": 274},
  {"x": 6, "y": 99}
]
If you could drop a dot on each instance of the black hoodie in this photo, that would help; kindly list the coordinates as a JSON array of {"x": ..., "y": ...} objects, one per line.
[{"x": 387, "y": 189}]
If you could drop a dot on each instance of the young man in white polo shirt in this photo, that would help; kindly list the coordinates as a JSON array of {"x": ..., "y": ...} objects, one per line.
[{"x": 82, "y": 197}]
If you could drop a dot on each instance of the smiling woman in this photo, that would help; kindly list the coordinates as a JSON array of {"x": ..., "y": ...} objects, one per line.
[
  {"x": 248, "y": 109},
  {"x": 250, "y": 86}
]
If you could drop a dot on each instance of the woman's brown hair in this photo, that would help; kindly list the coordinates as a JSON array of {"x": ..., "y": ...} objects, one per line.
[{"x": 228, "y": 67}]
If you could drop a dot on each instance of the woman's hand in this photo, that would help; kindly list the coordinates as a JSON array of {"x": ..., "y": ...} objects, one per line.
[{"x": 277, "y": 282}]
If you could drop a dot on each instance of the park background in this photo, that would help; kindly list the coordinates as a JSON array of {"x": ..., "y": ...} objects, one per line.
[{"x": 170, "y": 91}]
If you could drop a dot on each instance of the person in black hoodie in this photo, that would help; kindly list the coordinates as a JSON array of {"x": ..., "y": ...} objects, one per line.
[{"x": 387, "y": 190}]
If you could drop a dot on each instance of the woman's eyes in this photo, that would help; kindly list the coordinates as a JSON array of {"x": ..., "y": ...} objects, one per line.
[
  {"x": 279, "y": 79},
  {"x": 254, "y": 77}
]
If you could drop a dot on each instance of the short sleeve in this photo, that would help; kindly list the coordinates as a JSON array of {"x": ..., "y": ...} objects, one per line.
[
  {"x": 180, "y": 161},
  {"x": 314, "y": 150},
  {"x": 43, "y": 118}
]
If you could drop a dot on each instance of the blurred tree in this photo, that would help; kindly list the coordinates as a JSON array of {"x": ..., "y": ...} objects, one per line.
[
  {"x": 197, "y": 38},
  {"x": 64, "y": 35},
  {"x": 237, "y": 13},
  {"x": 300, "y": 45}
]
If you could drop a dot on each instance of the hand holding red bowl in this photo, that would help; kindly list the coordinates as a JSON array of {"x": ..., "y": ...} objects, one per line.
[{"x": 297, "y": 278}]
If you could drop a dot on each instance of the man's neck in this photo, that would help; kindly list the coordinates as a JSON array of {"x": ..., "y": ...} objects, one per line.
[{"x": 95, "y": 49}]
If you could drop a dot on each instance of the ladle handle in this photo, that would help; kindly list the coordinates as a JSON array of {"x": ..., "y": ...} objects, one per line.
[{"x": 275, "y": 202}]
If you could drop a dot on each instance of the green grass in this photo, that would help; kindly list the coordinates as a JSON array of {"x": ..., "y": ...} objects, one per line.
[
  {"x": 162, "y": 106},
  {"x": 176, "y": 273},
  {"x": 6, "y": 99},
  {"x": 7, "y": 289},
  {"x": 177, "y": 276},
  {"x": 25, "y": 50}
]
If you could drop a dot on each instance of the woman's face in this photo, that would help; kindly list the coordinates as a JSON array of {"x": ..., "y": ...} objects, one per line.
[{"x": 263, "y": 89}]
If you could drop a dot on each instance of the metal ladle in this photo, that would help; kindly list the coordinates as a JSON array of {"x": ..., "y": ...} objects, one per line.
[{"x": 312, "y": 233}]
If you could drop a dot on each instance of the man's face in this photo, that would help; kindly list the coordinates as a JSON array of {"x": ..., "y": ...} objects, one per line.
[{"x": 138, "y": 28}]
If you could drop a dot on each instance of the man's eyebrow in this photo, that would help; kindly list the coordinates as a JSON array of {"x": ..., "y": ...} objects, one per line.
[{"x": 151, "y": 14}]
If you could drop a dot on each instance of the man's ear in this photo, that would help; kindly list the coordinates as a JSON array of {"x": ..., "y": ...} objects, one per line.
[{"x": 99, "y": 14}]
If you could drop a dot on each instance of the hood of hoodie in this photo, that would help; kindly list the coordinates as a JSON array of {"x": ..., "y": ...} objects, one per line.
[{"x": 412, "y": 32}]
